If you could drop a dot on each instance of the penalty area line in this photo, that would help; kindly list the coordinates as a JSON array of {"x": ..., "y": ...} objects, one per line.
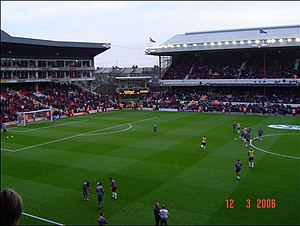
[
  {"x": 41, "y": 219},
  {"x": 80, "y": 134},
  {"x": 118, "y": 131}
]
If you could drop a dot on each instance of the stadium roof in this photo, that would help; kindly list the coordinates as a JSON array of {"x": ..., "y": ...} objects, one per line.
[
  {"x": 17, "y": 46},
  {"x": 280, "y": 36}
]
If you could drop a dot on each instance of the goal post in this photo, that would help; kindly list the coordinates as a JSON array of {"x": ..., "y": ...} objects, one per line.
[{"x": 26, "y": 117}]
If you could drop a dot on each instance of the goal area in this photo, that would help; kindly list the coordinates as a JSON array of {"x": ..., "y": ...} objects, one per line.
[{"x": 26, "y": 117}]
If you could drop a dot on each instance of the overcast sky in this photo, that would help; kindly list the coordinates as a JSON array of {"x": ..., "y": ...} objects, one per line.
[{"x": 127, "y": 25}]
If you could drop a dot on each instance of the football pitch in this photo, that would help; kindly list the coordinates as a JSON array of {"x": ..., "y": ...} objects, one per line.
[{"x": 47, "y": 164}]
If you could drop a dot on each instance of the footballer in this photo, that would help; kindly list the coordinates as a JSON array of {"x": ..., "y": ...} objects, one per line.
[{"x": 203, "y": 143}]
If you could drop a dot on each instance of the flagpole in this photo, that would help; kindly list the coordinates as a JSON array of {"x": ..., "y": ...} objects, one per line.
[
  {"x": 264, "y": 63},
  {"x": 159, "y": 61}
]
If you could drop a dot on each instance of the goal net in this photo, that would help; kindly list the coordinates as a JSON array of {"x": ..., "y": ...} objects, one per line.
[{"x": 24, "y": 118}]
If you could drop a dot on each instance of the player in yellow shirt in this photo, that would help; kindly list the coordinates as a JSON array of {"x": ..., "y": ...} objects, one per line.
[
  {"x": 203, "y": 143},
  {"x": 251, "y": 158}
]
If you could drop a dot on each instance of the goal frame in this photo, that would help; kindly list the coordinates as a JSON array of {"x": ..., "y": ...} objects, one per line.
[{"x": 36, "y": 116}]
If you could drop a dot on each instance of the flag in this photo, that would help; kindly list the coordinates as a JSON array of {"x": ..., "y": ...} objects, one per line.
[
  {"x": 151, "y": 40},
  {"x": 261, "y": 31}
]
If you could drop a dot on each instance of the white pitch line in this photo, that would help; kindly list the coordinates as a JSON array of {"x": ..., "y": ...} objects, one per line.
[
  {"x": 118, "y": 131},
  {"x": 77, "y": 135},
  {"x": 62, "y": 124},
  {"x": 272, "y": 153},
  {"x": 5, "y": 149},
  {"x": 41, "y": 219}
]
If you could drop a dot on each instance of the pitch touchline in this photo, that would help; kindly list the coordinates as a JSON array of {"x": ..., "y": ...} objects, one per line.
[
  {"x": 42, "y": 219},
  {"x": 62, "y": 124},
  {"x": 272, "y": 153},
  {"x": 77, "y": 135}
]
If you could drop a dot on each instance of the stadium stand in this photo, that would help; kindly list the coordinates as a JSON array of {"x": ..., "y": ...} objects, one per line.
[
  {"x": 217, "y": 71},
  {"x": 245, "y": 65},
  {"x": 37, "y": 74},
  {"x": 230, "y": 54},
  {"x": 228, "y": 69}
]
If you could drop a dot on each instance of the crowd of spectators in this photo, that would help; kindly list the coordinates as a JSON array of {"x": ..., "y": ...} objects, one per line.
[
  {"x": 256, "y": 101},
  {"x": 68, "y": 99},
  {"x": 179, "y": 69},
  {"x": 64, "y": 99},
  {"x": 246, "y": 65}
]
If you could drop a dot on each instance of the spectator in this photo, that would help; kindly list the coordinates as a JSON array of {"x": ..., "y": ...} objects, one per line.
[
  {"x": 164, "y": 215},
  {"x": 101, "y": 219},
  {"x": 11, "y": 207},
  {"x": 156, "y": 211}
]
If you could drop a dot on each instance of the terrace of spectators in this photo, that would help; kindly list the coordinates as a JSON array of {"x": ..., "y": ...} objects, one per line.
[
  {"x": 63, "y": 97},
  {"x": 257, "y": 64},
  {"x": 257, "y": 100}
]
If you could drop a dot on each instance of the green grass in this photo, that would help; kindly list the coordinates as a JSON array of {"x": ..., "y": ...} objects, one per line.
[{"x": 52, "y": 162}]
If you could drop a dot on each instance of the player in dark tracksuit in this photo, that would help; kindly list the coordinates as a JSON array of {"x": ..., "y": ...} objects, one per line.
[
  {"x": 100, "y": 193},
  {"x": 238, "y": 167},
  {"x": 3, "y": 126},
  {"x": 113, "y": 187},
  {"x": 154, "y": 129},
  {"x": 247, "y": 138},
  {"x": 234, "y": 127},
  {"x": 156, "y": 214},
  {"x": 85, "y": 189},
  {"x": 260, "y": 133}
]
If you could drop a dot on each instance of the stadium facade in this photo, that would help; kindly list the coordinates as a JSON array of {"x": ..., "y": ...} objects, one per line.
[
  {"x": 27, "y": 60},
  {"x": 125, "y": 81}
]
